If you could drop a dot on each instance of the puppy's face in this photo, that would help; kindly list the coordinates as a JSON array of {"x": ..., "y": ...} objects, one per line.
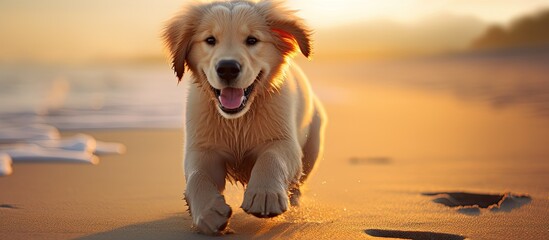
[
  {"x": 235, "y": 53},
  {"x": 236, "y": 50}
]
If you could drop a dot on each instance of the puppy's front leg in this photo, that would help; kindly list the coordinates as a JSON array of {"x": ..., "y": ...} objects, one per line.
[
  {"x": 278, "y": 166},
  {"x": 205, "y": 175}
]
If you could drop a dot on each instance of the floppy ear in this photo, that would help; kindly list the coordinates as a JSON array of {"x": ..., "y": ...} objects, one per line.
[
  {"x": 177, "y": 37},
  {"x": 290, "y": 31}
]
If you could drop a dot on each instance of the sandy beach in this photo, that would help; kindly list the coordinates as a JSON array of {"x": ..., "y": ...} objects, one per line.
[
  {"x": 438, "y": 117},
  {"x": 414, "y": 166}
]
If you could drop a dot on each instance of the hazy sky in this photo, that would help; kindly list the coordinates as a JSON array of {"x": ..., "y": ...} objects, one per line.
[
  {"x": 71, "y": 30},
  {"x": 329, "y": 12}
]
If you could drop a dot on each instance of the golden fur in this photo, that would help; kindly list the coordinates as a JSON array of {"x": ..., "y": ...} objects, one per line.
[{"x": 272, "y": 144}]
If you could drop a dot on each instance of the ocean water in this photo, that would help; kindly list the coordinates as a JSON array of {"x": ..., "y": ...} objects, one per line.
[
  {"x": 92, "y": 97},
  {"x": 148, "y": 96}
]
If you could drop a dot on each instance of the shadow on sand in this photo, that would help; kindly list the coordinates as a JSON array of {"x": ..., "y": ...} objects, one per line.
[
  {"x": 415, "y": 235},
  {"x": 179, "y": 227},
  {"x": 175, "y": 227},
  {"x": 471, "y": 203}
]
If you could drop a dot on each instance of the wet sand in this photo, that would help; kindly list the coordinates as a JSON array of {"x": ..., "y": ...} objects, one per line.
[{"x": 390, "y": 154}]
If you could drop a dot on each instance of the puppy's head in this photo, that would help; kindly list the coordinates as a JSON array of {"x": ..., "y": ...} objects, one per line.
[{"x": 236, "y": 50}]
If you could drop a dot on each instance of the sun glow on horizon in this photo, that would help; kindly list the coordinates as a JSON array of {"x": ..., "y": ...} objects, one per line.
[
  {"x": 327, "y": 13},
  {"x": 76, "y": 30}
]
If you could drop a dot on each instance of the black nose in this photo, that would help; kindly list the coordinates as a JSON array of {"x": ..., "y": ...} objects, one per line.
[{"x": 228, "y": 70}]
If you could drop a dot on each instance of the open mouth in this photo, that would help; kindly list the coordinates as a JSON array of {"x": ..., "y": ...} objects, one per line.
[{"x": 233, "y": 100}]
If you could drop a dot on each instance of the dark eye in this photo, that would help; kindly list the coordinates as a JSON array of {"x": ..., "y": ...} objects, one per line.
[
  {"x": 210, "y": 41},
  {"x": 250, "y": 41}
]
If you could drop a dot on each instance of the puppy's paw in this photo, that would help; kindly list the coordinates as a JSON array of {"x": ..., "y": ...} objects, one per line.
[
  {"x": 265, "y": 202},
  {"x": 213, "y": 217}
]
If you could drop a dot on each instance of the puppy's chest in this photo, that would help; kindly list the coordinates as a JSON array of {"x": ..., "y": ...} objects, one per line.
[
  {"x": 242, "y": 145},
  {"x": 242, "y": 138}
]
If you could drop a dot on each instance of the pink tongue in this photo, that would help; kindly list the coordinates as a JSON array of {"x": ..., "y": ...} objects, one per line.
[{"x": 231, "y": 98}]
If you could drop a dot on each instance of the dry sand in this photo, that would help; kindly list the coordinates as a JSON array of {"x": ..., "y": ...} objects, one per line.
[{"x": 398, "y": 163}]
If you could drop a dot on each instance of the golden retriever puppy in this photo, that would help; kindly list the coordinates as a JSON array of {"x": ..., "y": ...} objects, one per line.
[{"x": 251, "y": 116}]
